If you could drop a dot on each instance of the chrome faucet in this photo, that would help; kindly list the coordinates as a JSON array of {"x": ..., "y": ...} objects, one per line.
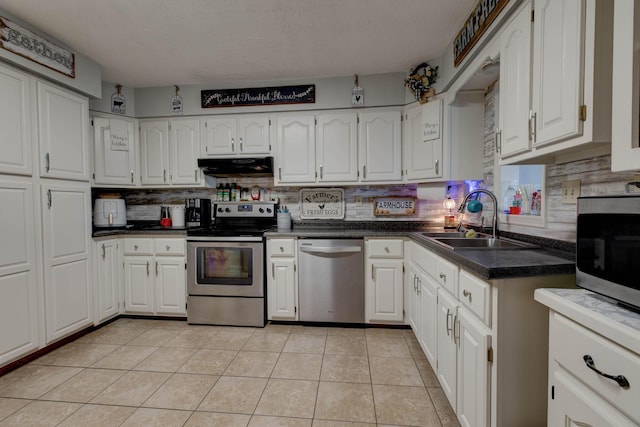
[{"x": 494, "y": 231}]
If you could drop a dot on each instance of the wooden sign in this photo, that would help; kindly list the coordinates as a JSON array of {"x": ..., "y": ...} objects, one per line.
[
  {"x": 301, "y": 94},
  {"x": 482, "y": 15},
  {"x": 322, "y": 203},
  {"x": 394, "y": 206},
  {"x": 23, "y": 42}
]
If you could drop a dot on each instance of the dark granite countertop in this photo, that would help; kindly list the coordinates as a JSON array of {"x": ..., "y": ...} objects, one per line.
[{"x": 144, "y": 228}]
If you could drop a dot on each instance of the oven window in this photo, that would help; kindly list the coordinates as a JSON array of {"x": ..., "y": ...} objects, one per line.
[
  {"x": 225, "y": 266},
  {"x": 608, "y": 247}
]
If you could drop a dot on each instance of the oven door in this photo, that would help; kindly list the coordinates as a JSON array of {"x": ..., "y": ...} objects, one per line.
[{"x": 225, "y": 268}]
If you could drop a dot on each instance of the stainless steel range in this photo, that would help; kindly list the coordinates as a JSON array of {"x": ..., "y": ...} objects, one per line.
[{"x": 225, "y": 265}]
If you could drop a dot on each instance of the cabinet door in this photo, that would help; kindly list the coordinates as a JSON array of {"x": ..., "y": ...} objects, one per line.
[
  {"x": 138, "y": 284},
  {"x": 428, "y": 317},
  {"x": 557, "y": 78},
  {"x": 296, "y": 152},
  {"x": 63, "y": 133},
  {"x": 515, "y": 81},
  {"x": 281, "y": 292},
  {"x": 108, "y": 273},
  {"x": 379, "y": 141},
  {"x": 218, "y": 137},
  {"x": 337, "y": 147},
  {"x": 19, "y": 315},
  {"x": 170, "y": 287},
  {"x": 423, "y": 147},
  {"x": 66, "y": 220},
  {"x": 411, "y": 298},
  {"x": 625, "y": 134},
  {"x": 474, "y": 341},
  {"x": 254, "y": 135},
  {"x": 114, "y": 152},
  {"x": 447, "y": 349},
  {"x": 384, "y": 292},
  {"x": 154, "y": 152},
  {"x": 184, "y": 143},
  {"x": 16, "y": 121}
]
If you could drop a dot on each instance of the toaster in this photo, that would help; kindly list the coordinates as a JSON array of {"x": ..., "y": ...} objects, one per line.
[{"x": 109, "y": 213}]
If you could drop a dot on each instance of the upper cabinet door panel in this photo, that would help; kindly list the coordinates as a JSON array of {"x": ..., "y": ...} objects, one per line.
[
  {"x": 422, "y": 147},
  {"x": 515, "y": 80},
  {"x": 185, "y": 146},
  {"x": 558, "y": 72},
  {"x": 154, "y": 152},
  {"x": 63, "y": 133},
  {"x": 17, "y": 225},
  {"x": 296, "y": 160},
  {"x": 114, "y": 151},
  {"x": 337, "y": 147},
  {"x": 379, "y": 137},
  {"x": 219, "y": 137},
  {"x": 253, "y": 135},
  {"x": 16, "y": 121}
]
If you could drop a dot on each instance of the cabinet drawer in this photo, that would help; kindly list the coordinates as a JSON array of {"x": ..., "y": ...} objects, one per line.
[
  {"x": 569, "y": 342},
  {"x": 426, "y": 259},
  {"x": 475, "y": 294},
  {"x": 384, "y": 248},
  {"x": 282, "y": 247},
  {"x": 447, "y": 275},
  {"x": 138, "y": 246},
  {"x": 169, "y": 246}
]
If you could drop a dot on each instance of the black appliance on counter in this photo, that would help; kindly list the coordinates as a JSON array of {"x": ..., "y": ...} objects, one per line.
[
  {"x": 225, "y": 265},
  {"x": 608, "y": 247},
  {"x": 198, "y": 212}
]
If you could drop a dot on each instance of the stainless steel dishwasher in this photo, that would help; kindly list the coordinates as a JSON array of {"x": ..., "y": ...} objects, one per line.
[{"x": 331, "y": 280}]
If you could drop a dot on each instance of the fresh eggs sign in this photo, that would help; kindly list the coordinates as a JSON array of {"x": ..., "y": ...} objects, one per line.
[{"x": 322, "y": 203}]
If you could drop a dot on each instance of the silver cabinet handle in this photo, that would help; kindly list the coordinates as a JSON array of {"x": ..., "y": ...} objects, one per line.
[
  {"x": 437, "y": 167},
  {"x": 233, "y": 144},
  {"x": 419, "y": 290},
  {"x": 241, "y": 144},
  {"x": 147, "y": 268},
  {"x": 533, "y": 124},
  {"x": 104, "y": 254},
  {"x": 156, "y": 268},
  {"x": 467, "y": 294},
  {"x": 443, "y": 277},
  {"x": 273, "y": 270},
  {"x": 47, "y": 162},
  {"x": 195, "y": 175},
  {"x": 164, "y": 175},
  {"x": 364, "y": 171},
  {"x": 456, "y": 326},
  {"x": 415, "y": 283},
  {"x": 280, "y": 174},
  {"x": 449, "y": 315},
  {"x": 372, "y": 276},
  {"x": 49, "y": 199},
  {"x": 321, "y": 172},
  {"x": 498, "y": 141},
  {"x": 132, "y": 176}
]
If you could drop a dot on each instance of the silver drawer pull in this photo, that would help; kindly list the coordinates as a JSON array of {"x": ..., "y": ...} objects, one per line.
[
  {"x": 281, "y": 249},
  {"x": 386, "y": 249},
  {"x": 443, "y": 276},
  {"x": 168, "y": 247},
  {"x": 620, "y": 379},
  {"x": 135, "y": 247},
  {"x": 467, "y": 294}
]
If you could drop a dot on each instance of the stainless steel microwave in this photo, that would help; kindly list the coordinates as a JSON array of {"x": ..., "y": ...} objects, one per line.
[{"x": 608, "y": 247}]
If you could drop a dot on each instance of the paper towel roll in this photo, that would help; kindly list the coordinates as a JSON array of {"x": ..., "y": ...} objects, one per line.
[{"x": 435, "y": 191}]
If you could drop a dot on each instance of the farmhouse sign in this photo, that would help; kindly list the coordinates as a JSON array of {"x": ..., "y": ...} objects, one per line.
[
  {"x": 23, "y": 42},
  {"x": 476, "y": 24},
  {"x": 300, "y": 94},
  {"x": 322, "y": 203},
  {"x": 396, "y": 206}
]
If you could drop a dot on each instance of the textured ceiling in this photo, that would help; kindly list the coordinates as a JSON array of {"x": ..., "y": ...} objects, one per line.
[{"x": 144, "y": 43}]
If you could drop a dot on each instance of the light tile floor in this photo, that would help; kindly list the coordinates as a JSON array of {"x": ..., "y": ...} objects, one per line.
[{"x": 144, "y": 372}]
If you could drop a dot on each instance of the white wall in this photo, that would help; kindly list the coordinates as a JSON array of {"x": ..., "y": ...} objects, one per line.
[{"x": 104, "y": 104}]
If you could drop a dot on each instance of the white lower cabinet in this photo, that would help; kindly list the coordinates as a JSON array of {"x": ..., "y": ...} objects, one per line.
[
  {"x": 155, "y": 276},
  {"x": 446, "y": 366},
  {"x": 384, "y": 292},
  {"x": 66, "y": 231},
  {"x": 108, "y": 273},
  {"x": 282, "y": 280},
  {"x": 19, "y": 314}
]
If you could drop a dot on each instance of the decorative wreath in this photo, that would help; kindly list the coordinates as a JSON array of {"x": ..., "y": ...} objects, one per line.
[{"x": 420, "y": 80}]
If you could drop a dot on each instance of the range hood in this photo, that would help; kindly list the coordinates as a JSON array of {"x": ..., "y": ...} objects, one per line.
[{"x": 250, "y": 166}]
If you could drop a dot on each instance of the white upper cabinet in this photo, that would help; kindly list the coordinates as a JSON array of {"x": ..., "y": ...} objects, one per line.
[
  {"x": 63, "y": 133},
  {"x": 625, "y": 150},
  {"x": 515, "y": 79},
  {"x": 16, "y": 121},
  {"x": 242, "y": 135},
  {"x": 295, "y": 144},
  {"x": 114, "y": 152},
  {"x": 422, "y": 141},
  {"x": 169, "y": 152},
  {"x": 379, "y": 142},
  {"x": 337, "y": 147}
]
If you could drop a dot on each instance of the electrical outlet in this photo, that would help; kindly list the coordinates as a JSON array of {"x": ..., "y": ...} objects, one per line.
[
  {"x": 570, "y": 191},
  {"x": 358, "y": 201}
]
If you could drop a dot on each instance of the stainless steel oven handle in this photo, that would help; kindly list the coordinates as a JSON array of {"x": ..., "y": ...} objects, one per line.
[{"x": 330, "y": 250}]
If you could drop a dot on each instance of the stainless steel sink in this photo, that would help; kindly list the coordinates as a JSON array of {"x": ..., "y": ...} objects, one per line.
[
  {"x": 454, "y": 243},
  {"x": 455, "y": 234}
]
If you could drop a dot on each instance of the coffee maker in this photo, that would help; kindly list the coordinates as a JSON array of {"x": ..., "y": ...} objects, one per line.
[{"x": 198, "y": 212}]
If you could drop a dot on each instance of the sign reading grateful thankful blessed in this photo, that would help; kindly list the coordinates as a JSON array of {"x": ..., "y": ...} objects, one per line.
[
  {"x": 300, "y": 94},
  {"x": 476, "y": 24},
  {"x": 322, "y": 203},
  {"x": 23, "y": 42}
]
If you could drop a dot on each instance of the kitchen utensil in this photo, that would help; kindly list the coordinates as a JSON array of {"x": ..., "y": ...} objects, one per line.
[
  {"x": 474, "y": 206},
  {"x": 165, "y": 216}
]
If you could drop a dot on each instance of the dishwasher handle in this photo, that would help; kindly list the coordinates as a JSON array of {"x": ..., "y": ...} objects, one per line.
[{"x": 331, "y": 250}]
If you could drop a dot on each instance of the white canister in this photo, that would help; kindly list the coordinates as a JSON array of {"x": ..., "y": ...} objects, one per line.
[
  {"x": 177, "y": 216},
  {"x": 284, "y": 220}
]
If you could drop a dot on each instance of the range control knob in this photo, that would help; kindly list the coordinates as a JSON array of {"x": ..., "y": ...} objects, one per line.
[
  {"x": 219, "y": 209},
  {"x": 268, "y": 210},
  {"x": 227, "y": 210},
  {"x": 261, "y": 210}
]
